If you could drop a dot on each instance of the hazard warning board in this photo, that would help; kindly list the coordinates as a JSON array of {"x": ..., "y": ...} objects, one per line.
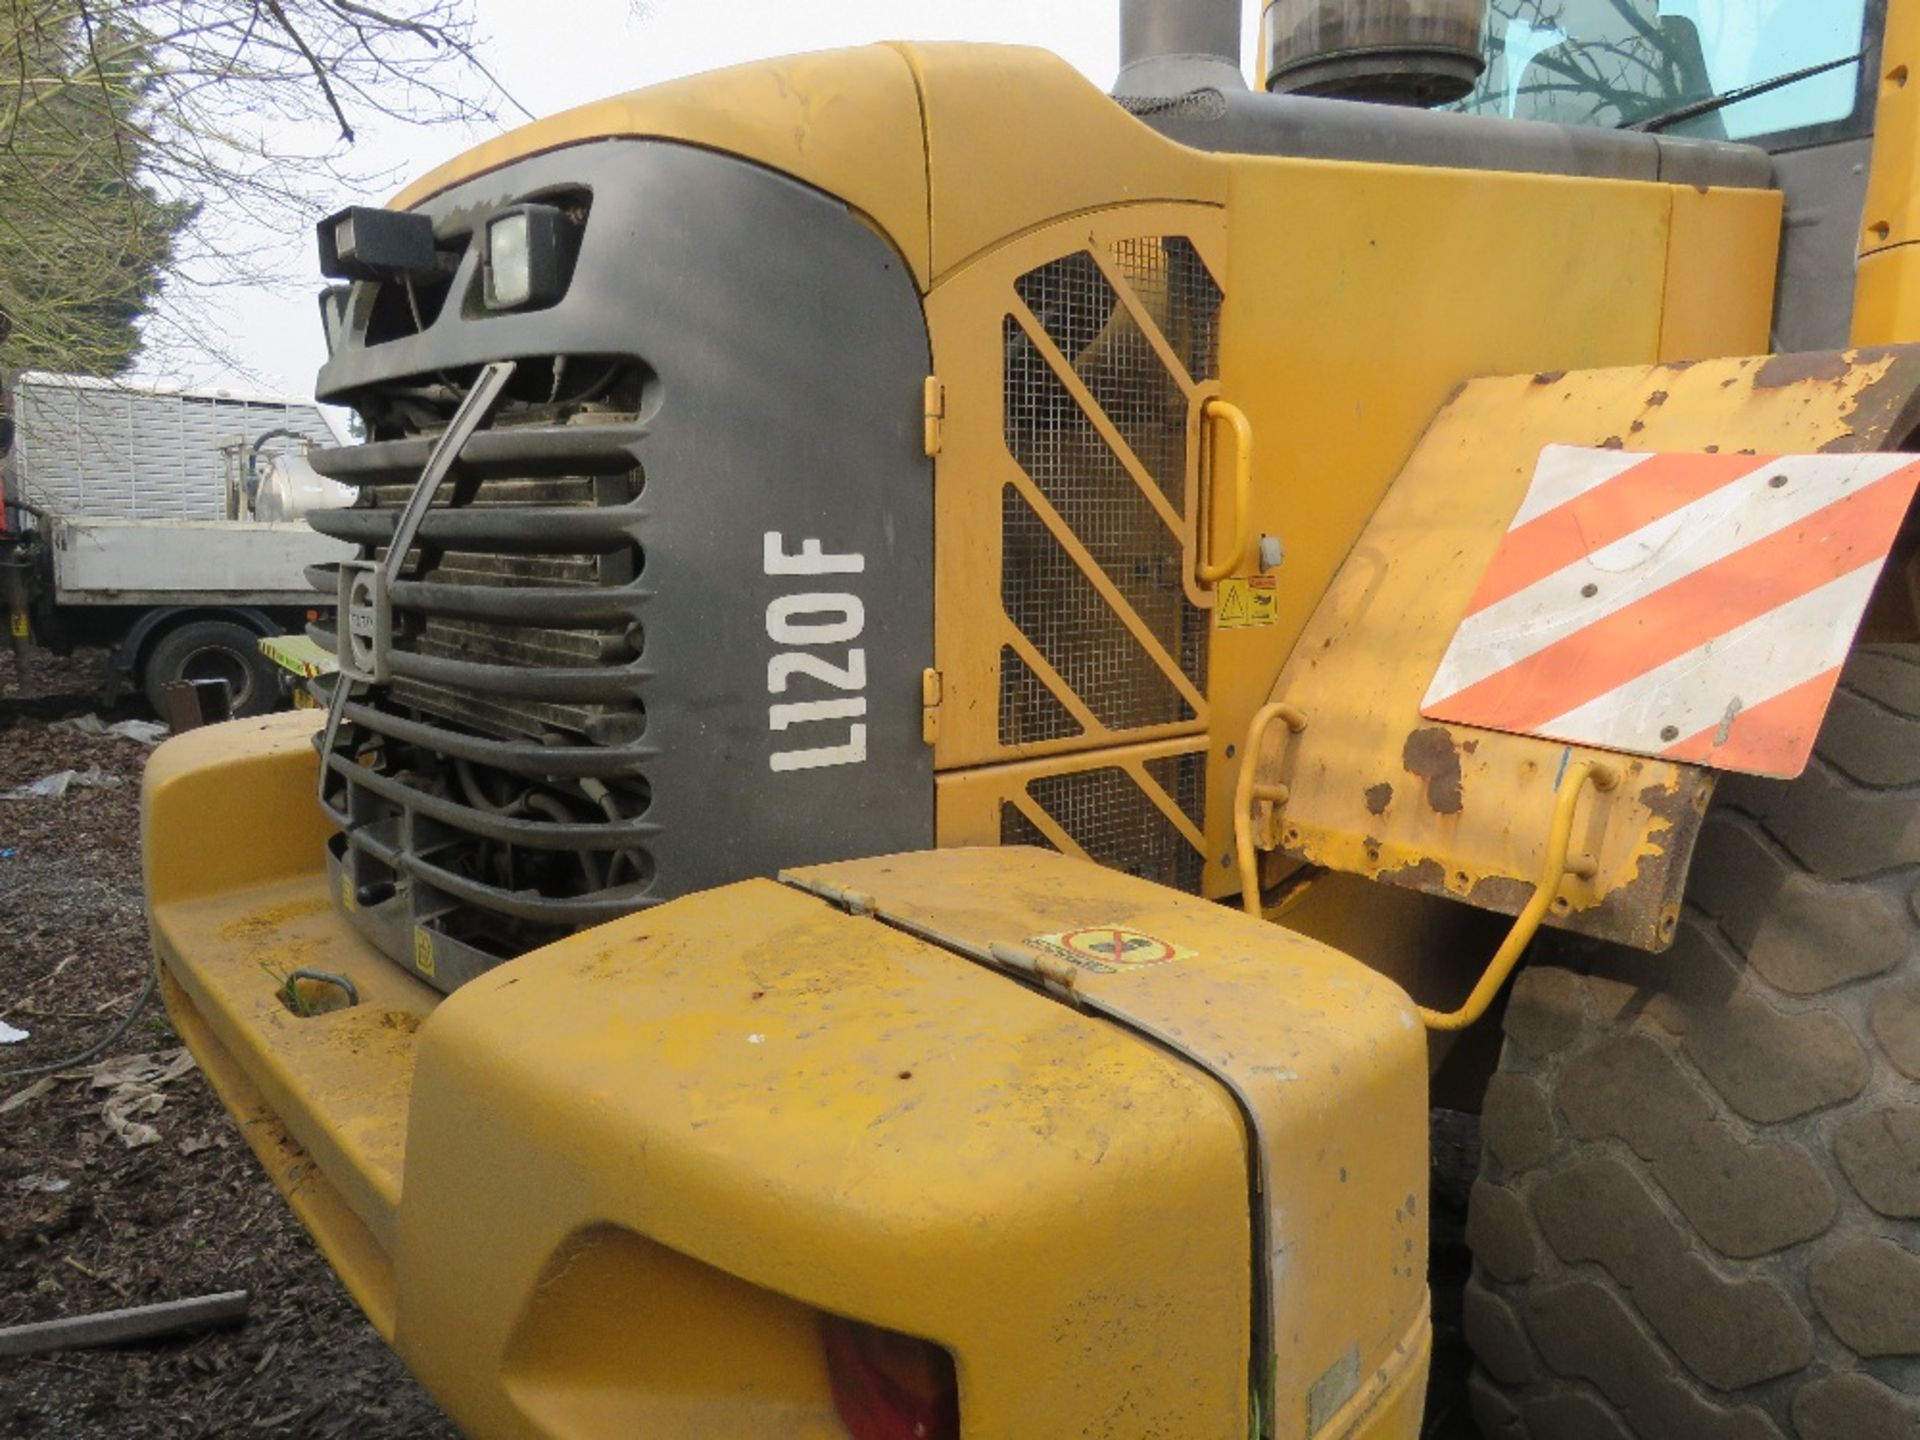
[
  {"x": 1109, "y": 949},
  {"x": 1246, "y": 601},
  {"x": 1695, "y": 607}
]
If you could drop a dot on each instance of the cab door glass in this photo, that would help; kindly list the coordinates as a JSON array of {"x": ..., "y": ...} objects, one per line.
[{"x": 1613, "y": 63}]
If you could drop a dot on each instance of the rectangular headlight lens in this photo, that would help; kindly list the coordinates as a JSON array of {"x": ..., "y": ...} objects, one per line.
[{"x": 509, "y": 261}]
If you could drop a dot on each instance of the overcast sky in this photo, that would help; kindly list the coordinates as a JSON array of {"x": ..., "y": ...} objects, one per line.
[{"x": 555, "y": 54}]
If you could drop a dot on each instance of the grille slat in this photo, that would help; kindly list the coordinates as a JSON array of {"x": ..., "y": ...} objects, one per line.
[
  {"x": 533, "y": 529},
  {"x": 554, "y": 608},
  {"x": 520, "y": 757},
  {"x": 581, "y": 684},
  {"x": 603, "y": 834},
  {"x": 510, "y": 452}
]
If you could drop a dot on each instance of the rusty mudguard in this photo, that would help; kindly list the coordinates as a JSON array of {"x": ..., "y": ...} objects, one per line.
[{"x": 1370, "y": 787}]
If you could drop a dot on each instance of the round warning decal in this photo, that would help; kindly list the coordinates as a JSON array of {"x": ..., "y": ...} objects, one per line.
[{"x": 1108, "y": 949}]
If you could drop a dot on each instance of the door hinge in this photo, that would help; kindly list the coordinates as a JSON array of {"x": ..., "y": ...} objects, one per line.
[
  {"x": 932, "y": 690},
  {"x": 934, "y": 413}
]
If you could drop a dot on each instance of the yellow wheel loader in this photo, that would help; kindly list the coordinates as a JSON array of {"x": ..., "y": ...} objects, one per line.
[{"x": 958, "y": 695}]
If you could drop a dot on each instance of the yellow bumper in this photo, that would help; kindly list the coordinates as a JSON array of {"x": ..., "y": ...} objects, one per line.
[{"x": 609, "y": 1190}]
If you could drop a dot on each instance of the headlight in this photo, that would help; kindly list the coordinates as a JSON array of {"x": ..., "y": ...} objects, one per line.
[{"x": 529, "y": 252}]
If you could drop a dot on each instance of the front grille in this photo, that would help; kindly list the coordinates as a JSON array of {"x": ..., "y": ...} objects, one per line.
[{"x": 493, "y": 795}]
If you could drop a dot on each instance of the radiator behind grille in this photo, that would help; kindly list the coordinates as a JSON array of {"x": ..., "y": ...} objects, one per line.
[{"x": 494, "y": 794}]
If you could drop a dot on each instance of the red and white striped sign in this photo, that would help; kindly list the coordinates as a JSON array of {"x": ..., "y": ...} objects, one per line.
[{"x": 1694, "y": 607}]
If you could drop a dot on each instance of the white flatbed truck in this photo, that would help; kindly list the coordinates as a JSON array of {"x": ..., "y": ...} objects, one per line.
[{"x": 127, "y": 526}]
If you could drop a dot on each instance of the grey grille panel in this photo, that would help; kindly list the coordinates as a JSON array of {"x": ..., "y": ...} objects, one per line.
[{"x": 572, "y": 638}]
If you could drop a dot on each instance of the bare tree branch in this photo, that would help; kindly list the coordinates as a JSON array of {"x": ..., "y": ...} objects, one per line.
[{"x": 145, "y": 144}]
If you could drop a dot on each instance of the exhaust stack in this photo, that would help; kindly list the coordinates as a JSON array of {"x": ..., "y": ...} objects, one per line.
[{"x": 1170, "y": 48}]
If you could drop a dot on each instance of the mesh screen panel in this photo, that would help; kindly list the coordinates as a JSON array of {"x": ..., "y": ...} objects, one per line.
[
  {"x": 1028, "y": 709},
  {"x": 1016, "y": 829},
  {"x": 1057, "y": 608},
  {"x": 1061, "y": 450},
  {"x": 1174, "y": 285},
  {"x": 1118, "y": 825},
  {"x": 1184, "y": 778}
]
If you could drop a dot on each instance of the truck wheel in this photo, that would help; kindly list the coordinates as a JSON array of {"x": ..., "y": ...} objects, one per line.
[
  {"x": 1696, "y": 1213},
  {"x": 214, "y": 650}
]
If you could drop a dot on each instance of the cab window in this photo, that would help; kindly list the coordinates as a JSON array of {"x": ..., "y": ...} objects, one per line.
[{"x": 1626, "y": 62}]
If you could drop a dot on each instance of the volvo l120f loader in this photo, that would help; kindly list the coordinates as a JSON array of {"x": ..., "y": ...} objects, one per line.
[{"x": 955, "y": 692}]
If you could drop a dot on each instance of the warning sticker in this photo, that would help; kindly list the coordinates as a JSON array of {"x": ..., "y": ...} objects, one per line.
[
  {"x": 1247, "y": 602},
  {"x": 18, "y": 624},
  {"x": 423, "y": 950},
  {"x": 1109, "y": 949}
]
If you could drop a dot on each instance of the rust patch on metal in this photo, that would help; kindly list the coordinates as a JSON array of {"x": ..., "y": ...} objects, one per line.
[
  {"x": 1613, "y": 442},
  {"x": 1886, "y": 412},
  {"x": 1642, "y": 903},
  {"x": 1430, "y": 754},
  {"x": 1504, "y": 893},
  {"x": 1379, "y": 797},
  {"x": 1549, "y": 377},
  {"x": 1428, "y": 875},
  {"x": 1826, "y": 367},
  {"x": 1657, "y": 399}
]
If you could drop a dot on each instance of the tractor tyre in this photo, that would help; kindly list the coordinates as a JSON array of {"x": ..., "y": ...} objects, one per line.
[
  {"x": 213, "y": 650},
  {"x": 1698, "y": 1210}
]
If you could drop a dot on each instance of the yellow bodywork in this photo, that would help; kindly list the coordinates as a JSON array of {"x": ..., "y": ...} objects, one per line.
[
  {"x": 1886, "y": 304},
  {"x": 1356, "y": 298},
  {"x": 607, "y": 1190}
]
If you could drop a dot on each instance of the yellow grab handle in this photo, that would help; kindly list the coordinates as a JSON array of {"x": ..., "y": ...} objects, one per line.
[
  {"x": 1552, "y": 872},
  {"x": 1245, "y": 792},
  {"x": 1209, "y": 571}
]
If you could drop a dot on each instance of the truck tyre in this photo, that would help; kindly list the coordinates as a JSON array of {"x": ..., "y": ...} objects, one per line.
[
  {"x": 213, "y": 650},
  {"x": 1698, "y": 1212}
]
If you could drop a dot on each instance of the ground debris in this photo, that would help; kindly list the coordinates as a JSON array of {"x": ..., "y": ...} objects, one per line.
[
  {"x": 52, "y": 787},
  {"x": 133, "y": 1227}
]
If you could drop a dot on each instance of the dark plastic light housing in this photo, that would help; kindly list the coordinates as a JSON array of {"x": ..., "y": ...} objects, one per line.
[{"x": 364, "y": 243}]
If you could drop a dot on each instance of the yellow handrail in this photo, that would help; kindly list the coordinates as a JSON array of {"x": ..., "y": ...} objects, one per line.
[
  {"x": 1527, "y": 924},
  {"x": 1209, "y": 571},
  {"x": 1245, "y": 792}
]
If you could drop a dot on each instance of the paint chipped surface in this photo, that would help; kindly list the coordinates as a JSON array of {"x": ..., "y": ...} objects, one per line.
[
  {"x": 1431, "y": 755},
  {"x": 1367, "y": 657}
]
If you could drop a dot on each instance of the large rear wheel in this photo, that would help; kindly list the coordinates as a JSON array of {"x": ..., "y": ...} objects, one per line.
[{"x": 1698, "y": 1203}]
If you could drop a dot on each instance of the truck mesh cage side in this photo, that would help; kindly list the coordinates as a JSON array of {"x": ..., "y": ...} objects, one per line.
[
  {"x": 1061, "y": 445},
  {"x": 503, "y": 769}
]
